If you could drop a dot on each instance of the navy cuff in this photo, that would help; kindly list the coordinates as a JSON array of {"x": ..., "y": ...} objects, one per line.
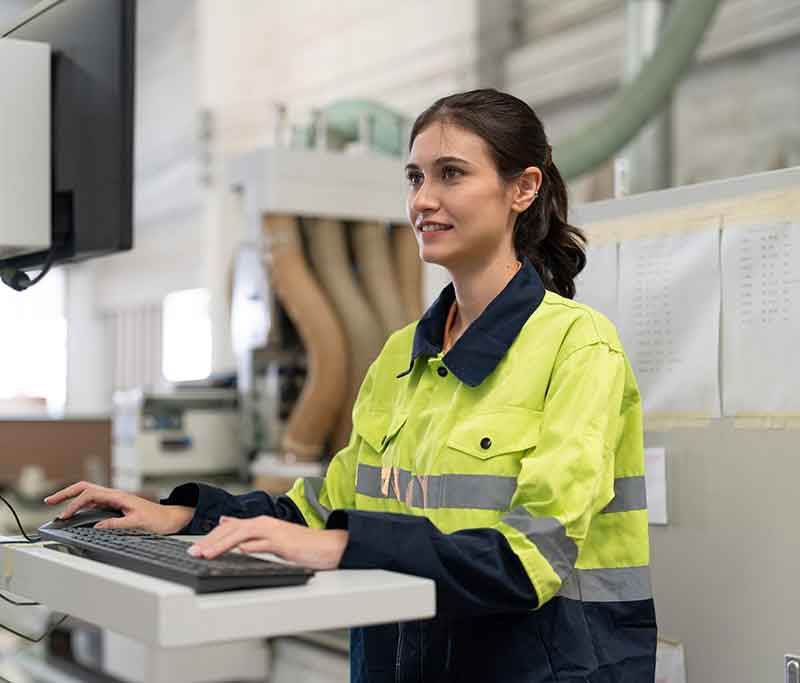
[
  {"x": 475, "y": 570},
  {"x": 210, "y": 503}
]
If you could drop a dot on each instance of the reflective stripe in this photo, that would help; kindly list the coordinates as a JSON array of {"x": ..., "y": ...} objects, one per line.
[
  {"x": 608, "y": 585},
  {"x": 629, "y": 494},
  {"x": 550, "y": 538},
  {"x": 311, "y": 489},
  {"x": 476, "y": 491}
]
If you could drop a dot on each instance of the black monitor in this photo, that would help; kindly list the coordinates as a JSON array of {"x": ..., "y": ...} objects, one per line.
[{"x": 92, "y": 47}]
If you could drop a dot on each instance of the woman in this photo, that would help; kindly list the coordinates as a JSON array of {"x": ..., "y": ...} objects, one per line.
[{"x": 497, "y": 443}]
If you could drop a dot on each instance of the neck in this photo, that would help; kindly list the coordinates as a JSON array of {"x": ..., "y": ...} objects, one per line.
[{"x": 476, "y": 287}]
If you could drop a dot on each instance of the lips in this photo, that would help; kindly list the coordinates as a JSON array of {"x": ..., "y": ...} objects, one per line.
[{"x": 429, "y": 227}]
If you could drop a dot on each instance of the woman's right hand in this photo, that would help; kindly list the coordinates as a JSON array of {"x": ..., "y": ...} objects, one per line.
[{"x": 138, "y": 512}]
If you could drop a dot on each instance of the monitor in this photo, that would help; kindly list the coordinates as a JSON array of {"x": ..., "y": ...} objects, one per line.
[{"x": 91, "y": 119}]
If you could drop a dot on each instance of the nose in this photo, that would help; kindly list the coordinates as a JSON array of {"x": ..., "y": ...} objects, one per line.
[{"x": 423, "y": 199}]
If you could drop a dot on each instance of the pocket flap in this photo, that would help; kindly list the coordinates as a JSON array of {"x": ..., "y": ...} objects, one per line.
[
  {"x": 486, "y": 435},
  {"x": 377, "y": 429}
]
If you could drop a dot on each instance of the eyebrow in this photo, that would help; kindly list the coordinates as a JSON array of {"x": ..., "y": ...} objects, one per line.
[{"x": 441, "y": 161}]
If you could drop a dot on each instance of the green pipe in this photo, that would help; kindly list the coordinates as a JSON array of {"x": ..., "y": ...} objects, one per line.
[
  {"x": 644, "y": 96},
  {"x": 388, "y": 128}
]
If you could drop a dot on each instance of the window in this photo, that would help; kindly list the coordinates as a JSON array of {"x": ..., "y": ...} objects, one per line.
[
  {"x": 33, "y": 346},
  {"x": 187, "y": 335}
]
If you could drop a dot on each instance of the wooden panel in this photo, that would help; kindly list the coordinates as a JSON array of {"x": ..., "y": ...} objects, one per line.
[{"x": 63, "y": 448}]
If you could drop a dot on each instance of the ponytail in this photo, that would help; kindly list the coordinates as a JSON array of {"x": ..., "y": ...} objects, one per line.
[{"x": 554, "y": 247}]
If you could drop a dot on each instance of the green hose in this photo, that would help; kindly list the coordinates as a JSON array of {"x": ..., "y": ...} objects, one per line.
[{"x": 644, "y": 96}]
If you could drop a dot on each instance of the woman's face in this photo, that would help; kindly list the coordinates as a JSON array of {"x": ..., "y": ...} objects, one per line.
[{"x": 459, "y": 207}]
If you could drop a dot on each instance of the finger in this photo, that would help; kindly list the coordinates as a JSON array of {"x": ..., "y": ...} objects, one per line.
[
  {"x": 218, "y": 535},
  {"x": 220, "y": 532},
  {"x": 67, "y": 492},
  {"x": 96, "y": 496},
  {"x": 220, "y": 540},
  {"x": 231, "y": 536}
]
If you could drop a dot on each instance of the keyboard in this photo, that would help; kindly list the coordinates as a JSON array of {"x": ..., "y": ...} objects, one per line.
[{"x": 166, "y": 558}]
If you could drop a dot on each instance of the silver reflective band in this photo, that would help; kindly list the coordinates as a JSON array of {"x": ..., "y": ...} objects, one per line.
[
  {"x": 477, "y": 491},
  {"x": 311, "y": 489},
  {"x": 550, "y": 538},
  {"x": 620, "y": 584},
  {"x": 629, "y": 494},
  {"x": 430, "y": 491}
]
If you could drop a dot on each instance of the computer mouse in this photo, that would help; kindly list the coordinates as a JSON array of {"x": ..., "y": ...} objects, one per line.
[{"x": 87, "y": 517}]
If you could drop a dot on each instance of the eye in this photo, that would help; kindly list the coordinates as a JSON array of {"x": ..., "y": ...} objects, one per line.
[
  {"x": 414, "y": 178},
  {"x": 451, "y": 172}
]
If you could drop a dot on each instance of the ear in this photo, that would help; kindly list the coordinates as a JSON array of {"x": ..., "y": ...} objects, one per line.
[{"x": 526, "y": 185}]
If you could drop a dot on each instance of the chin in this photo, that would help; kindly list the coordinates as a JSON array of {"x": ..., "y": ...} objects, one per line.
[{"x": 430, "y": 256}]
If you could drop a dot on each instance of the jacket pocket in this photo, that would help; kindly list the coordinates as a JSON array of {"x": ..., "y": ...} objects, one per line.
[
  {"x": 487, "y": 435},
  {"x": 378, "y": 429}
]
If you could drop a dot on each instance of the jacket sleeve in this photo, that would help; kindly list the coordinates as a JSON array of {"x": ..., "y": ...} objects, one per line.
[
  {"x": 569, "y": 477},
  {"x": 520, "y": 563},
  {"x": 210, "y": 503},
  {"x": 475, "y": 570}
]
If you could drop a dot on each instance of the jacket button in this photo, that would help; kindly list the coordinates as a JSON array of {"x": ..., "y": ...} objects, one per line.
[
  {"x": 486, "y": 443},
  {"x": 442, "y": 371}
]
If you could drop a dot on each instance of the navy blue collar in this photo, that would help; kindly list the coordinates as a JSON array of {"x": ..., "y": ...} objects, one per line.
[{"x": 483, "y": 344}]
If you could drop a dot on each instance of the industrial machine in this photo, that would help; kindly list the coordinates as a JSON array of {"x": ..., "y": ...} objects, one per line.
[
  {"x": 186, "y": 432},
  {"x": 322, "y": 280}
]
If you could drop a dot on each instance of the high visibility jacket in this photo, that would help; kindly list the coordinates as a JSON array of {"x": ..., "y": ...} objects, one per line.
[
  {"x": 530, "y": 428},
  {"x": 510, "y": 470}
]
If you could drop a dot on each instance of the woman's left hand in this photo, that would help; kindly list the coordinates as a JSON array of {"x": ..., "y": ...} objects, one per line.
[{"x": 314, "y": 548}]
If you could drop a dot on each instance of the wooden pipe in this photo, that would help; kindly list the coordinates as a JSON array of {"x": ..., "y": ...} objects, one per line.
[
  {"x": 317, "y": 408},
  {"x": 363, "y": 331},
  {"x": 377, "y": 274},
  {"x": 408, "y": 266}
]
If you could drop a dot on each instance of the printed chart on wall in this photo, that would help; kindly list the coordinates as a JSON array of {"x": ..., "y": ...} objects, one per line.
[
  {"x": 669, "y": 309},
  {"x": 596, "y": 285},
  {"x": 761, "y": 319}
]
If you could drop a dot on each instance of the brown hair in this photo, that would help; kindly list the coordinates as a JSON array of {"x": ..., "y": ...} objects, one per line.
[{"x": 517, "y": 140}]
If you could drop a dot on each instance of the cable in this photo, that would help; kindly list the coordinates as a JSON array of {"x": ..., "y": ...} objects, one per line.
[
  {"x": 19, "y": 524},
  {"x": 19, "y": 280},
  {"x": 18, "y": 604},
  {"x": 28, "y": 540},
  {"x": 41, "y": 637}
]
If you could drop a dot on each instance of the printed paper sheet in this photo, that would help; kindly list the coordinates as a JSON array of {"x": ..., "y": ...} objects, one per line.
[
  {"x": 669, "y": 311},
  {"x": 761, "y": 319}
]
